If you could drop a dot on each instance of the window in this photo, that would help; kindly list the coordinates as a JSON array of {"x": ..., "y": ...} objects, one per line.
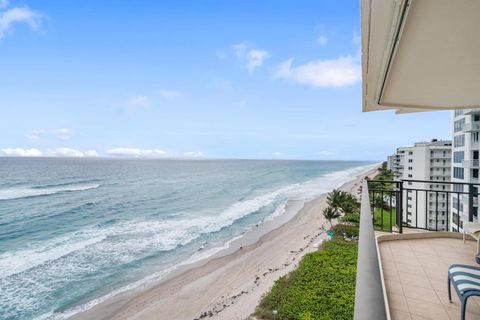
[
  {"x": 458, "y": 156},
  {"x": 410, "y": 168},
  {"x": 458, "y": 173},
  {"x": 410, "y": 176},
  {"x": 459, "y": 141},
  {"x": 458, "y": 187},
  {"x": 410, "y": 153},
  {"x": 475, "y": 173},
  {"x": 410, "y": 160},
  {"x": 475, "y": 136},
  {"x": 458, "y": 125},
  {"x": 458, "y": 112}
]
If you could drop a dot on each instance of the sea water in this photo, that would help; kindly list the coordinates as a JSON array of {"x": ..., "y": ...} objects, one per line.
[{"x": 74, "y": 232}]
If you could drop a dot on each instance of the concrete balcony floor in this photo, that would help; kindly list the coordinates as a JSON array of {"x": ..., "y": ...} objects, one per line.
[{"x": 415, "y": 275}]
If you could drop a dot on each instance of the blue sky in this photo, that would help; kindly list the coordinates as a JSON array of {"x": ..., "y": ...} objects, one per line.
[{"x": 215, "y": 79}]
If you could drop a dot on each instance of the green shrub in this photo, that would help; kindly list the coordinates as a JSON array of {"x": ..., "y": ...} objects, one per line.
[
  {"x": 351, "y": 217},
  {"x": 349, "y": 230},
  {"x": 322, "y": 287}
]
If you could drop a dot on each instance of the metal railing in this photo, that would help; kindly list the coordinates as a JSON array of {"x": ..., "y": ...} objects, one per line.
[
  {"x": 422, "y": 204},
  {"x": 472, "y": 126},
  {"x": 471, "y": 163}
]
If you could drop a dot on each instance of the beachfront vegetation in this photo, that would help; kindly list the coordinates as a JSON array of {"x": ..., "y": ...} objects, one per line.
[
  {"x": 345, "y": 230},
  {"x": 351, "y": 217},
  {"x": 330, "y": 213},
  {"x": 341, "y": 202},
  {"x": 322, "y": 287}
]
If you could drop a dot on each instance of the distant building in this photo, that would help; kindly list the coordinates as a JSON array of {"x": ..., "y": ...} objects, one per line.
[
  {"x": 427, "y": 161},
  {"x": 397, "y": 167},
  {"x": 391, "y": 162},
  {"x": 424, "y": 161},
  {"x": 465, "y": 168}
]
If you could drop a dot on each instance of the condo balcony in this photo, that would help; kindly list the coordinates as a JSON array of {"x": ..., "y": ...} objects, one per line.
[
  {"x": 471, "y": 111},
  {"x": 472, "y": 126},
  {"x": 471, "y": 163},
  {"x": 408, "y": 254}
]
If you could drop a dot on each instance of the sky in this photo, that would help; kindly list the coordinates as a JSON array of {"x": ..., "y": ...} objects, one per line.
[{"x": 192, "y": 79}]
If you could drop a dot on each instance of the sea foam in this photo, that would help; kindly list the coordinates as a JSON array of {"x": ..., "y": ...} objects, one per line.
[{"x": 25, "y": 192}]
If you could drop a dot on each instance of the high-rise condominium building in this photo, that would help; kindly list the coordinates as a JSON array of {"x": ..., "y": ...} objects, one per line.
[
  {"x": 465, "y": 166},
  {"x": 424, "y": 164}
]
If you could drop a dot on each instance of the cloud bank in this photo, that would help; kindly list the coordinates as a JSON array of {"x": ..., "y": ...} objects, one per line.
[
  {"x": 136, "y": 152},
  {"x": 20, "y": 152}
]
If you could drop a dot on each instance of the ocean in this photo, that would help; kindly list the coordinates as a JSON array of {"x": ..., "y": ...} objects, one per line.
[{"x": 74, "y": 232}]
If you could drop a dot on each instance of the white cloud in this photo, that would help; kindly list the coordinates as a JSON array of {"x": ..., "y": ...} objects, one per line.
[
  {"x": 255, "y": 59},
  {"x": 325, "y": 153},
  {"x": 194, "y": 154},
  {"x": 322, "y": 40},
  {"x": 339, "y": 72},
  {"x": 138, "y": 102},
  {"x": 62, "y": 133},
  {"x": 65, "y": 152},
  {"x": 20, "y": 152},
  {"x": 16, "y": 15},
  {"x": 169, "y": 94},
  {"x": 35, "y": 134},
  {"x": 276, "y": 154},
  {"x": 137, "y": 152},
  {"x": 91, "y": 153}
]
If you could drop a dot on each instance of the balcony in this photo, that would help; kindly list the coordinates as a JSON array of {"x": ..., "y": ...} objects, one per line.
[
  {"x": 470, "y": 163},
  {"x": 475, "y": 144},
  {"x": 472, "y": 126},
  {"x": 402, "y": 268},
  {"x": 415, "y": 268},
  {"x": 471, "y": 111}
]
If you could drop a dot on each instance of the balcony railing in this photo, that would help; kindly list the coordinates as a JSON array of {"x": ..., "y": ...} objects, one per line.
[
  {"x": 470, "y": 163},
  {"x": 401, "y": 204},
  {"x": 472, "y": 126},
  {"x": 369, "y": 295}
]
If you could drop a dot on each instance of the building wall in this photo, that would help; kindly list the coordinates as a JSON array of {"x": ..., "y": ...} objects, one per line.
[
  {"x": 465, "y": 166},
  {"x": 427, "y": 161}
]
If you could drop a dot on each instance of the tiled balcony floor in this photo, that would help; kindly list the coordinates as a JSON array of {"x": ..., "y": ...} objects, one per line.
[{"x": 415, "y": 273}]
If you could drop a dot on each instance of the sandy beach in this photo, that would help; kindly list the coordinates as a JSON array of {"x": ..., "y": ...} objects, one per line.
[{"x": 229, "y": 285}]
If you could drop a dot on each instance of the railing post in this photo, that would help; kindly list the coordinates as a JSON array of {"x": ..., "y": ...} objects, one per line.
[
  {"x": 400, "y": 207},
  {"x": 470, "y": 202}
]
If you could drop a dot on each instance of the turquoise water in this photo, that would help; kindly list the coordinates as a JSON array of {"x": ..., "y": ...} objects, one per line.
[{"x": 76, "y": 231}]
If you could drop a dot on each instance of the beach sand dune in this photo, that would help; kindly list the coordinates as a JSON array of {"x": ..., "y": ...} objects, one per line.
[{"x": 230, "y": 286}]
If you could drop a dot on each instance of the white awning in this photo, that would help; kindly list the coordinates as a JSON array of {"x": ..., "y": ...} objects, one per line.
[{"x": 420, "y": 55}]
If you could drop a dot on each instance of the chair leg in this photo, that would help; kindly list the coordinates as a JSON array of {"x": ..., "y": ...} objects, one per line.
[
  {"x": 464, "y": 307},
  {"x": 449, "y": 290}
]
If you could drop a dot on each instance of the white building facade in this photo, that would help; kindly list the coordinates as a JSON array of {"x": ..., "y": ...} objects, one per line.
[{"x": 465, "y": 166}]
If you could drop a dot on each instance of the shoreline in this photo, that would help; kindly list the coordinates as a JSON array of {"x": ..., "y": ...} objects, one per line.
[{"x": 195, "y": 290}]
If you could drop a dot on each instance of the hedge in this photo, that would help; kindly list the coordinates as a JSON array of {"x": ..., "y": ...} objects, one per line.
[{"x": 322, "y": 287}]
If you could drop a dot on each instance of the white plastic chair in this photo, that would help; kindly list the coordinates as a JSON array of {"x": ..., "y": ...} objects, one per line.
[{"x": 473, "y": 229}]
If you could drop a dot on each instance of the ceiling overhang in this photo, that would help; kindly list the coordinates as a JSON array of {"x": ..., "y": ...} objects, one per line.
[{"x": 420, "y": 55}]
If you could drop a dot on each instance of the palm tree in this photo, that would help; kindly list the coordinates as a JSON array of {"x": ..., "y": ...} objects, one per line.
[
  {"x": 334, "y": 199},
  {"x": 330, "y": 213}
]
